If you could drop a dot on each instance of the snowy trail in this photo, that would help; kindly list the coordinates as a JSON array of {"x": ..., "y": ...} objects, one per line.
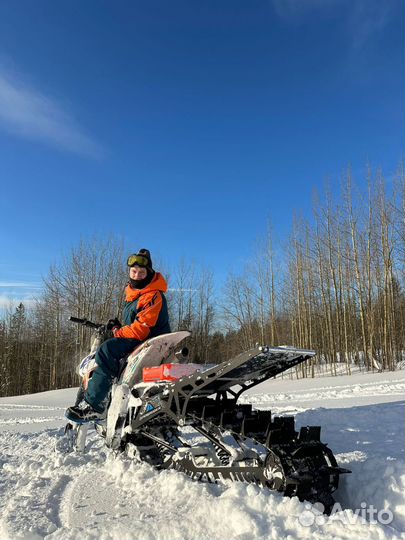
[
  {"x": 333, "y": 392},
  {"x": 26, "y": 413},
  {"x": 44, "y": 495}
]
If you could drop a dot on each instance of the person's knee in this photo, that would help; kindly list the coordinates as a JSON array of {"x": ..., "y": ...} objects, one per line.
[{"x": 106, "y": 352}]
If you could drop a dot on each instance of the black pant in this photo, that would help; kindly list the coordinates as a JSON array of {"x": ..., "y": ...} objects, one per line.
[{"x": 107, "y": 360}]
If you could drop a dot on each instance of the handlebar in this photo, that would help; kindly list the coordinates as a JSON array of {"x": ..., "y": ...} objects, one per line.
[{"x": 85, "y": 322}]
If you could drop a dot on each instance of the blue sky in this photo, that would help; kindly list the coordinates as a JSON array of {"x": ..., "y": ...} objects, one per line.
[{"x": 184, "y": 126}]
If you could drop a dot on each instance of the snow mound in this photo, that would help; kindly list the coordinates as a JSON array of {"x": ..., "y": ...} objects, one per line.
[{"x": 45, "y": 495}]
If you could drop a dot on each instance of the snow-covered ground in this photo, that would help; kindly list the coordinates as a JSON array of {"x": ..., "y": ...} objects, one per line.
[{"x": 44, "y": 494}]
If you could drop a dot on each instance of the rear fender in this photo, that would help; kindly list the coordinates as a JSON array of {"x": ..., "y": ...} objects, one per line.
[{"x": 117, "y": 412}]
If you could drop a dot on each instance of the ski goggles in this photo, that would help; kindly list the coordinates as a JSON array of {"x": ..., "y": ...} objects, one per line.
[{"x": 138, "y": 260}]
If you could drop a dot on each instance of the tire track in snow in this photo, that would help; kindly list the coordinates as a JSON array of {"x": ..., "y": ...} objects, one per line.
[
  {"x": 28, "y": 416},
  {"x": 29, "y": 420},
  {"x": 15, "y": 406},
  {"x": 33, "y": 486},
  {"x": 390, "y": 388}
]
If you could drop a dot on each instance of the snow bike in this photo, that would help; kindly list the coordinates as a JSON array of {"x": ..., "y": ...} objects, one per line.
[{"x": 187, "y": 417}]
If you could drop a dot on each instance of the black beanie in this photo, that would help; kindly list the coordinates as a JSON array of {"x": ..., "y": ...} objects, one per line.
[{"x": 146, "y": 253}]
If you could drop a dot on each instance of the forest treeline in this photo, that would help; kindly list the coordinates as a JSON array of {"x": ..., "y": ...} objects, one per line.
[{"x": 337, "y": 285}]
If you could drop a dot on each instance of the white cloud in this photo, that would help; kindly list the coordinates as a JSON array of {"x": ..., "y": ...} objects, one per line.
[
  {"x": 363, "y": 18},
  {"x": 367, "y": 19},
  {"x": 14, "y": 292},
  {"x": 7, "y": 303},
  {"x": 181, "y": 290},
  {"x": 295, "y": 10},
  {"x": 12, "y": 284},
  {"x": 28, "y": 113}
]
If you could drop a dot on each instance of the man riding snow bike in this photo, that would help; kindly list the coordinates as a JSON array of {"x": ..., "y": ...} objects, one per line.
[{"x": 145, "y": 315}]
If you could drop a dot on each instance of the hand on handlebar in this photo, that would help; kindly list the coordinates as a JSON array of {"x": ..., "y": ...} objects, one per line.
[{"x": 113, "y": 325}]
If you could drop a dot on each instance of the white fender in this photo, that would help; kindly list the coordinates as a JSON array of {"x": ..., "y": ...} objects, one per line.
[{"x": 116, "y": 414}]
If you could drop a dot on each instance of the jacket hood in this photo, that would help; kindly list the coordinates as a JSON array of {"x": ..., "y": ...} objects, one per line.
[{"x": 158, "y": 283}]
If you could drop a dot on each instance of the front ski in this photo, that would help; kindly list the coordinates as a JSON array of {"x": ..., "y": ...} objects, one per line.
[{"x": 73, "y": 439}]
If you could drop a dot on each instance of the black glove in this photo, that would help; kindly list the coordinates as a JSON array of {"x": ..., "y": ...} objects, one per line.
[{"x": 113, "y": 323}]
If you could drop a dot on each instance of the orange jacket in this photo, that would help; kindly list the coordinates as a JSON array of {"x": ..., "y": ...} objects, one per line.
[{"x": 145, "y": 311}]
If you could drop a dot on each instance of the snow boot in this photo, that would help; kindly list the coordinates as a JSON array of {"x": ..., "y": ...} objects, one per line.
[{"x": 84, "y": 412}]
